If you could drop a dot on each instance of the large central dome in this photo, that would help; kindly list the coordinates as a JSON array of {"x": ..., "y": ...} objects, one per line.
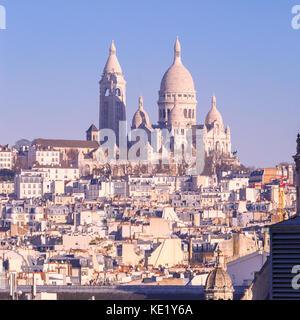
[
  {"x": 177, "y": 78},
  {"x": 177, "y": 83}
]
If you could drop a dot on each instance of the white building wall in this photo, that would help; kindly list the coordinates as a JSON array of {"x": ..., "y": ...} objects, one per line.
[
  {"x": 243, "y": 269},
  {"x": 43, "y": 157},
  {"x": 28, "y": 185},
  {"x": 57, "y": 173},
  {"x": 6, "y": 160}
]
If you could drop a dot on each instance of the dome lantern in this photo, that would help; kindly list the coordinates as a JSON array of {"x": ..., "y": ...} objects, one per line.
[{"x": 177, "y": 51}]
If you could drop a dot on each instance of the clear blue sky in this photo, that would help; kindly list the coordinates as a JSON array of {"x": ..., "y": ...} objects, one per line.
[{"x": 53, "y": 53}]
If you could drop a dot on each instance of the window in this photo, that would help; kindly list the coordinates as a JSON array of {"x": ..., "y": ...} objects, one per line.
[
  {"x": 106, "y": 92},
  {"x": 118, "y": 92}
]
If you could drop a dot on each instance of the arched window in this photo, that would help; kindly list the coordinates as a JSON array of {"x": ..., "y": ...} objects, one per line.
[
  {"x": 106, "y": 92},
  {"x": 118, "y": 92},
  {"x": 185, "y": 113},
  {"x": 190, "y": 113}
]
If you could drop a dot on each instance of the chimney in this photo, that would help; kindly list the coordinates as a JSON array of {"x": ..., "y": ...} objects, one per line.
[
  {"x": 33, "y": 289},
  {"x": 236, "y": 244},
  {"x": 191, "y": 250},
  {"x": 266, "y": 247}
]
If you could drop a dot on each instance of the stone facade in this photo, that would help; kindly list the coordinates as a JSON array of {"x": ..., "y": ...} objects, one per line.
[
  {"x": 177, "y": 83},
  {"x": 177, "y": 105},
  {"x": 112, "y": 94},
  {"x": 216, "y": 139}
]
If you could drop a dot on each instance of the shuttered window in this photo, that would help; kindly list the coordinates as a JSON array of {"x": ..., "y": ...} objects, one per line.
[{"x": 285, "y": 254}]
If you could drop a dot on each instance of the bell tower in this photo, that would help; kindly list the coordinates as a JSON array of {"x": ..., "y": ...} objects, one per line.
[{"x": 112, "y": 94}]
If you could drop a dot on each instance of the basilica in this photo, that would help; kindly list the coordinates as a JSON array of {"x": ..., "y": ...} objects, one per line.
[{"x": 177, "y": 107}]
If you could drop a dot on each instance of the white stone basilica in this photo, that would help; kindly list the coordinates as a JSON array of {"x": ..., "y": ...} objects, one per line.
[{"x": 177, "y": 105}]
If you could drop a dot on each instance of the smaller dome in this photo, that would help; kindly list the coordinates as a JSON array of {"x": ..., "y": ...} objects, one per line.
[
  {"x": 141, "y": 118},
  {"x": 218, "y": 284},
  {"x": 218, "y": 279},
  {"x": 214, "y": 114}
]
